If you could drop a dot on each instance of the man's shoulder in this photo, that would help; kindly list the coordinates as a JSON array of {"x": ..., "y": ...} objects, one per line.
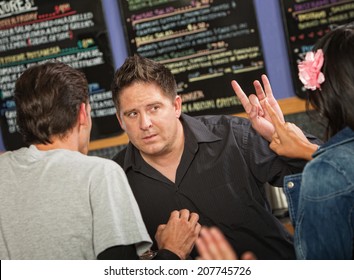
[
  {"x": 223, "y": 121},
  {"x": 216, "y": 119},
  {"x": 5, "y": 161},
  {"x": 86, "y": 161},
  {"x": 120, "y": 156}
]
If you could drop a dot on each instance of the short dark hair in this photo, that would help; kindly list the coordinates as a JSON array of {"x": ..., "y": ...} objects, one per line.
[
  {"x": 48, "y": 99},
  {"x": 137, "y": 69},
  {"x": 335, "y": 100}
]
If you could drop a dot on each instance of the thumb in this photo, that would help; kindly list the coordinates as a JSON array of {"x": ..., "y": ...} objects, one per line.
[
  {"x": 161, "y": 228},
  {"x": 273, "y": 146}
]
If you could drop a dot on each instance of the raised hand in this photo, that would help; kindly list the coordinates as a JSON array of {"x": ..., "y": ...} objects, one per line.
[
  {"x": 179, "y": 234},
  {"x": 212, "y": 245},
  {"x": 289, "y": 140},
  {"x": 255, "y": 107}
]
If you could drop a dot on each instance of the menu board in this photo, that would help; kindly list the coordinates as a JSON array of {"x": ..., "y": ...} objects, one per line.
[
  {"x": 73, "y": 32},
  {"x": 305, "y": 22},
  {"x": 205, "y": 44}
]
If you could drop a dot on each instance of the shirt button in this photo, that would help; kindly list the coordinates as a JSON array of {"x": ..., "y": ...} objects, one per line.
[{"x": 290, "y": 185}]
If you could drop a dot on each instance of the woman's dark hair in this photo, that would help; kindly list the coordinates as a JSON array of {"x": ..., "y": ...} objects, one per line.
[
  {"x": 335, "y": 99},
  {"x": 48, "y": 99}
]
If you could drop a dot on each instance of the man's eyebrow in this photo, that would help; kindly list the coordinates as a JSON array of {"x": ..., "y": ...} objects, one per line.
[
  {"x": 154, "y": 103},
  {"x": 127, "y": 112}
]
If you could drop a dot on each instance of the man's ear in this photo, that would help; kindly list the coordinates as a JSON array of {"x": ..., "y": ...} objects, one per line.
[
  {"x": 178, "y": 106},
  {"x": 121, "y": 123},
  {"x": 83, "y": 117}
]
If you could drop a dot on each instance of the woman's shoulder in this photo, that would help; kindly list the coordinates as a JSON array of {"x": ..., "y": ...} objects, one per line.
[{"x": 330, "y": 173}]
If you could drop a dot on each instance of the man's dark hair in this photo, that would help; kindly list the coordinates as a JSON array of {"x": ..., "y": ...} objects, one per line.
[
  {"x": 137, "y": 69},
  {"x": 48, "y": 99}
]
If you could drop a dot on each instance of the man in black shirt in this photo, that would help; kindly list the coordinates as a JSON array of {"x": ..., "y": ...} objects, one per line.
[{"x": 215, "y": 166}]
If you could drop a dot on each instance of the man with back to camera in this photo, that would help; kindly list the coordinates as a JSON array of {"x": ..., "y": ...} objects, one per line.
[
  {"x": 58, "y": 203},
  {"x": 215, "y": 166}
]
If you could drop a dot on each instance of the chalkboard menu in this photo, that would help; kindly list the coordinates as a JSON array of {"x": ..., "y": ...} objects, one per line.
[
  {"x": 205, "y": 44},
  {"x": 74, "y": 32},
  {"x": 306, "y": 21}
]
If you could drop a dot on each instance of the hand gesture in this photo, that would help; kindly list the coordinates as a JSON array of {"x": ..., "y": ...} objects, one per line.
[
  {"x": 179, "y": 234},
  {"x": 212, "y": 245},
  {"x": 288, "y": 139},
  {"x": 255, "y": 108}
]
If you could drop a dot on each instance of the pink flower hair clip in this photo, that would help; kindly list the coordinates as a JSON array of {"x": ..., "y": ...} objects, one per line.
[{"x": 310, "y": 70}]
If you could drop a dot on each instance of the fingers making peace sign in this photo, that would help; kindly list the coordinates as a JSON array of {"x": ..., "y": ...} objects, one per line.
[{"x": 254, "y": 106}]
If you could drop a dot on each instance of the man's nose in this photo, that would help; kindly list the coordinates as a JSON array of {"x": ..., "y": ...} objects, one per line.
[{"x": 145, "y": 122}]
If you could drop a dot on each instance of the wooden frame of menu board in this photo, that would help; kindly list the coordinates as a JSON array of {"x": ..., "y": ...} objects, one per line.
[
  {"x": 204, "y": 43},
  {"x": 73, "y": 32},
  {"x": 305, "y": 22}
]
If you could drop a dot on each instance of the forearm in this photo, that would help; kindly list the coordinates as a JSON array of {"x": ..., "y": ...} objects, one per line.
[
  {"x": 296, "y": 148},
  {"x": 306, "y": 150}
]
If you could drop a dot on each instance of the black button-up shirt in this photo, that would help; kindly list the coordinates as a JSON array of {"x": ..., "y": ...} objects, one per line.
[{"x": 221, "y": 176}]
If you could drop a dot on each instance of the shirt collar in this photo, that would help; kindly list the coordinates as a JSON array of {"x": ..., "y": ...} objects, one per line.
[
  {"x": 129, "y": 157},
  {"x": 197, "y": 129},
  {"x": 343, "y": 136},
  {"x": 195, "y": 132}
]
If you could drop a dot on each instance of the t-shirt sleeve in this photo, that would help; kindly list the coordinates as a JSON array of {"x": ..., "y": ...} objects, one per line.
[{"x": 116, "y": 215}]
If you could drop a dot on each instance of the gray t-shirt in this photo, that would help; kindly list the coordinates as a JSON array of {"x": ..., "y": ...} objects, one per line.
[{"x": 60, "y": 204}]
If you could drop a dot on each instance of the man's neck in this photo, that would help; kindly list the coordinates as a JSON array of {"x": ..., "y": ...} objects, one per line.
[{"x": 66, "y": 143}]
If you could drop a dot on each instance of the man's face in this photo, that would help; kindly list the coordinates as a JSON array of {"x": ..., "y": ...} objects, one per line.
[{"x": 149, "y": 118}]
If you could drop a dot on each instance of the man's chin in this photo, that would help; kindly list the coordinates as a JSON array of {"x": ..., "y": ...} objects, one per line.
[{"x": 150, "y": 150}]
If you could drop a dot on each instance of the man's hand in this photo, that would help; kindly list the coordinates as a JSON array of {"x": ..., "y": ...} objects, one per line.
[
  {"x": 212, "y": 245},
  {"x": 289, "y": 140},
  {"x": 254, "y": 106},
  {"x": 179, "y": 234}
]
